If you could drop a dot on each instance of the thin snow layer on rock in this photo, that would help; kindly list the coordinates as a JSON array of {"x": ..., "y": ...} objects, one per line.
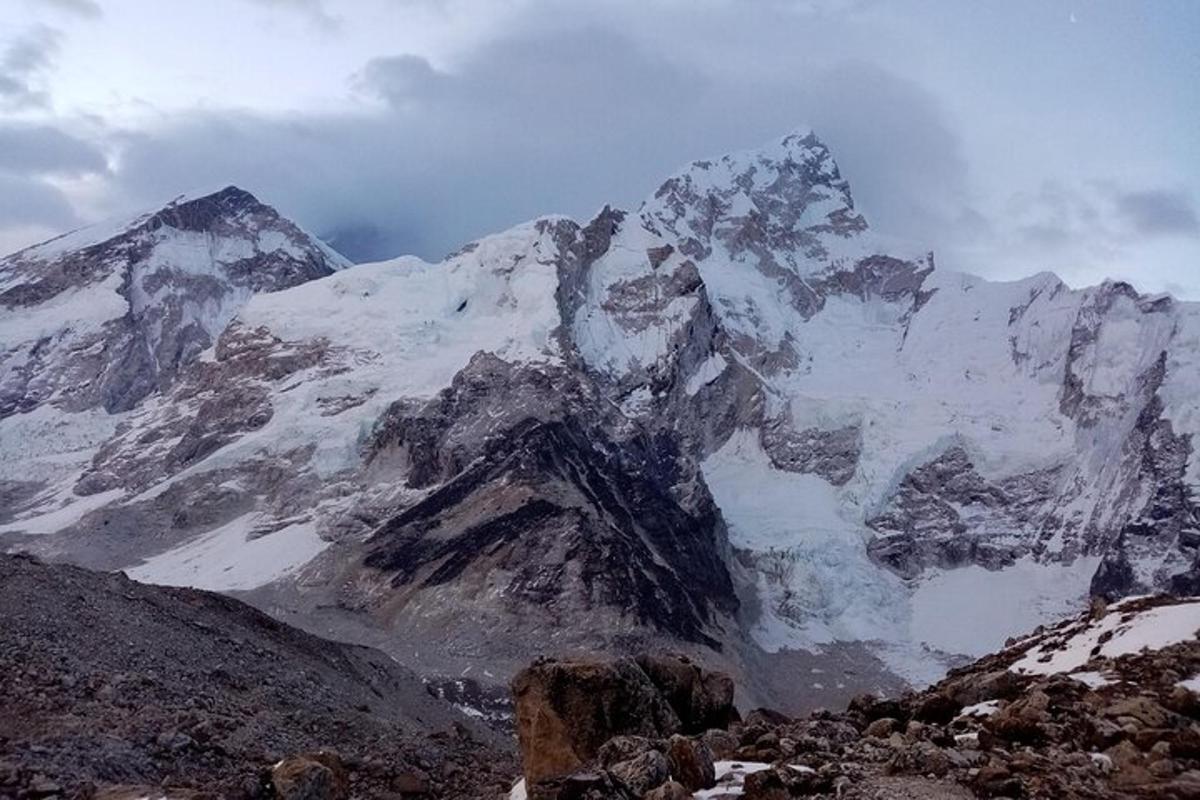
[
  {"x": 731, "y": 778},
  {"x": 231, "y": 558},
  {"x": 984, "y": 709},
  {"x": 60, "y": 510},
  {"x": 816, "y": 580},
  {"x": 1117, "y": 633},
  {"x": 404, "y": 328},
  {"x": 972, "y": 610},
  {"x": 1192, "y": 684},
  {"x": 1093, "y": 680},
  {"x": 617, "y": 343},
  {"x": 70, "y": 314}
]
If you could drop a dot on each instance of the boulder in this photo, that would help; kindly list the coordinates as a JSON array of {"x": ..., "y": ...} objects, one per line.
[
  {"x": 936, "y": 708},
  {"x": 1023, "y": 720},
  {"x": 642, "y": 773},
  {"x": 783, "y": 783},
  {"x": 873, "y": 707},
  {"x": 580, "y": 786},
  {"x": 702, "y": 699},
  {"x": 766, "y": 784},
  {"x": 723, "y": 744},
  {"x": 691, "y": 763},
  {"x": 972, "y": 688},
  {"x": 920, "y": 758},
  {"x": 883, "y": 728},
  {"x": 311, "y": 776},
  {"x": 566, "y": 710},
  {"x": 1143, "y": 709},
  {"x": 668, "y": 791},
  {"x": 623, "y": 748}
]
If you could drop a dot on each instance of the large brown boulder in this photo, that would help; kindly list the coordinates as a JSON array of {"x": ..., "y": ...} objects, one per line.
[
  {"x": 691, "y": 763},
  {"x": 566, "y": 710},
  {"x": 702, "y": 699},
  {"x": 668, "y": 791},
  {"x": 311, "y": 776}
]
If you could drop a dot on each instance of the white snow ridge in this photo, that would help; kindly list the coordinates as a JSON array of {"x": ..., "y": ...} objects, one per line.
[{"x": 776, "y": 433}]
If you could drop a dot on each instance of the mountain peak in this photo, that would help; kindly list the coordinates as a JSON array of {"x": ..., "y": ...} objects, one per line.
[
  {"x": 787, "y": 196},
  {"x": 204, "y": 212},
  {"x": 149, "y": 293}
]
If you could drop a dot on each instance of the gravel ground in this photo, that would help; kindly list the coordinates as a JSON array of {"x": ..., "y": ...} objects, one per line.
[{"x": 111, "y": 682}]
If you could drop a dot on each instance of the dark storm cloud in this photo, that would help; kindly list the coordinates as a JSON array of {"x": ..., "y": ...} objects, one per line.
[
  {"x": 1159, "y": 212},
  {"x": 554, "y": 120},
  {"x": 45, "y": 150},
  {"x": 22, "y": 63}
]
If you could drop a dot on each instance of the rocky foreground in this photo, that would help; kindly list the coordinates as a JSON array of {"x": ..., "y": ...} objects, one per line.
[
  {"x": 118, "y": 690},
  {"x": 115, "y": 689},
  {"x": 1103, "y": 706}
]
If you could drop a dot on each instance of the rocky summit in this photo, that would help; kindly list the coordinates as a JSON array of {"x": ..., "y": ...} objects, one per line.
[{"x": 731, "y": 422}]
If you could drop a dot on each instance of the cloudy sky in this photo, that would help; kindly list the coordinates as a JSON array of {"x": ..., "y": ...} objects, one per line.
[{"x": 1010, "y": 137}]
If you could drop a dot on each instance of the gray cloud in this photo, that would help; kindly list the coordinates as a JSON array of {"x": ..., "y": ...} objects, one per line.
[
  {"x": 89, "y": 9},
  {"x": 313, "y": 10},
  {"x": 547, "y": 120},
  {"x": 562, "y": 107},
  {"x": 401, "y": 80},
  {"x": 29, "y": 201},
  {"x": 22, "y": 63},
  {"x": 45, "y": 150},
  {"x": 1159, "y": 212}
]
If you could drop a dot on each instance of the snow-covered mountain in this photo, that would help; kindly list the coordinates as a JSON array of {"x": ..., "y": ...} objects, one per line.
[
  {"x": 733, "y": 418},
  {"x": 94, "y": 322}
]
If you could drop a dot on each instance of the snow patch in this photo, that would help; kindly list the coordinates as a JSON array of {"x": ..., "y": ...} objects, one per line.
[
  {"x": 227, "y": 559},
  {"x": 1128, "y": 632}
]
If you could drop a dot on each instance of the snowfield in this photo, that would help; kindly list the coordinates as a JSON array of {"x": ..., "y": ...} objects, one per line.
[{"x": 1118, "y": 633}]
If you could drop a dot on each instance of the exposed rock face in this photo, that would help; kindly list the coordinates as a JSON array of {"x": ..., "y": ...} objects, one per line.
[
  {"x": 543, "y": 506},
  {"x": 567, "y": 710},
  {"x": 701, "y": 698},
  {"x": 730, "y": 420}
]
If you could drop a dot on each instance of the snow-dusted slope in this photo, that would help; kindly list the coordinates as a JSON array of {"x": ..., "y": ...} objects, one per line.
[
  {"x": 93, "y": 322},
  {"x": 918, "y": 460}
]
